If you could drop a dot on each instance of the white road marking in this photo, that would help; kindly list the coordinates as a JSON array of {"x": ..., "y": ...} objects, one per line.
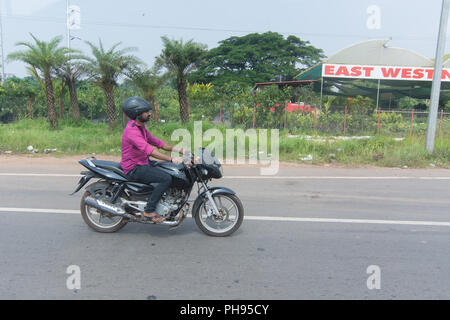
[
  {"x": 335, "y": 177},
  {"x": 32, "y": 210},
  {"x": 266, "y": 218},
  {"x": 39, "y": 175},
  {"x": 328, "y": 220},
  {"x": 257, "y": 177}
]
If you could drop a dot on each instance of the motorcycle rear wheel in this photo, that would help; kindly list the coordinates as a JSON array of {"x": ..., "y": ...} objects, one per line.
[{"x": 104, "y": 222}]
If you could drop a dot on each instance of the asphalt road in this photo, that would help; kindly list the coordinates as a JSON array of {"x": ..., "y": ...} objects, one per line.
[{"x": 309, "y": 233}]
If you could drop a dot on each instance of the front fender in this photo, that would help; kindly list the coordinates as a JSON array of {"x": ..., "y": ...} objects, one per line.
[{"x": 214, "y": 191}]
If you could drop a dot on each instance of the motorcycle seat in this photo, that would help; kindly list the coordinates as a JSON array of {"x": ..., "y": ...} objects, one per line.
[
  {"x": 116, "y": 168},
  {"x": 110, "y": 165}
]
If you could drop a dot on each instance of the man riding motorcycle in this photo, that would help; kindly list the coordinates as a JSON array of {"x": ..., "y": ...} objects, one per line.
[{"x": 137, "y": 146}]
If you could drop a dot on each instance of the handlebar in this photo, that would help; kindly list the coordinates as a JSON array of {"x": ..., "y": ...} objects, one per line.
[{"x": 189, "y": 159}]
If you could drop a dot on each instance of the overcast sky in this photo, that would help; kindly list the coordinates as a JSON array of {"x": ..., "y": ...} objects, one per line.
[{"x": 327, "y": 24}]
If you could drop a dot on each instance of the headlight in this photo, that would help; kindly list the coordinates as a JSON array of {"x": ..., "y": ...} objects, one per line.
[{"x": 204, "y": 172}]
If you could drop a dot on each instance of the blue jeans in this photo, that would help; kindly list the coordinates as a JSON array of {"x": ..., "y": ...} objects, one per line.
[{"x": 151, "y": 174}]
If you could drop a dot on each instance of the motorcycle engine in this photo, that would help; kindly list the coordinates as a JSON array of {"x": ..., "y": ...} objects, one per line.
[{"x": 169, "y": 202}]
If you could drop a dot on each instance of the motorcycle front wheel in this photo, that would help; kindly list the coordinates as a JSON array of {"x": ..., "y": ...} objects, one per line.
[{"x": 231, "y": 215}]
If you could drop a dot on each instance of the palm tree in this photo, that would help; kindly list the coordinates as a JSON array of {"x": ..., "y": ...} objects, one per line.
[
  {"x": 106, "y": 67},
  {"x": 44, "y": 58},
  {"x": 180, "y": 59},
  {"x": 70, "y": 73},
  {"x": 148, "y": 82}
]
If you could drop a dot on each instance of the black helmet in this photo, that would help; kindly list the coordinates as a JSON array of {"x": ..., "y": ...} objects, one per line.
[{"x": 134, "y": 106}]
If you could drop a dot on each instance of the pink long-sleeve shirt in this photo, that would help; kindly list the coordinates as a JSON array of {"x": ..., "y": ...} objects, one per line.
[{"x": 136, "y": 146}]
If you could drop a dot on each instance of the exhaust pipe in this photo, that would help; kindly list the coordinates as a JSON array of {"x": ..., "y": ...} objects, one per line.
[
  {"x": 104, "y": 206},
  {"x": 169, "y": 223},
  {"x": 118, "y": 211}
]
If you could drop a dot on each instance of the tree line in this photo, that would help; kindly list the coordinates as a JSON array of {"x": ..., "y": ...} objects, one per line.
[{"x": 235, "y": 65}]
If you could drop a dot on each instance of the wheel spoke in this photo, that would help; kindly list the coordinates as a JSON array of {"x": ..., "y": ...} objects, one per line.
[
  {"x": 228, "y": 209},
  {"x": 227, "y": 221}
]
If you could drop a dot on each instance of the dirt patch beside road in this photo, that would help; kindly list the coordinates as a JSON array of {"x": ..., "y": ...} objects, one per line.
[
  {"x": 68, "y": 164},
  {"x": 49, "y": 159}
]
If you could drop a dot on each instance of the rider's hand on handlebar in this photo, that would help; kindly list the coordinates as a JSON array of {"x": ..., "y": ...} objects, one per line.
[
  {"x": 177, "y": 160},
  {"x": 185, "y": 152}
]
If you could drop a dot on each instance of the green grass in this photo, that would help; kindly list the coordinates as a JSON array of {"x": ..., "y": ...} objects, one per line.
[
  {"x": 67, "y": 139},
  {"x": 87, "y": 138},
  {"x": 379, "y": 150}
]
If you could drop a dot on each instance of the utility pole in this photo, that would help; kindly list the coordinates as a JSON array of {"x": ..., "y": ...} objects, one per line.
[
  {"x": 67, "y": 24},
  {"x": 1, "y": 43},
  {"x": 436, "y": 85}
]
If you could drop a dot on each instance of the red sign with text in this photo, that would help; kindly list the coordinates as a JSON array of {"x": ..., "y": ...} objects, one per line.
[{"x": 381, "y": 72}]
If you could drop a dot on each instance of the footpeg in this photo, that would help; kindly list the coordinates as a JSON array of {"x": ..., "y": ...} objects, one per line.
[{"x": 183, "y": 214}]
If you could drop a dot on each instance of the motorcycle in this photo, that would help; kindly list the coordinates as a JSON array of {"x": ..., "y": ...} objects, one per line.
[{"x": 108, "y": 204}]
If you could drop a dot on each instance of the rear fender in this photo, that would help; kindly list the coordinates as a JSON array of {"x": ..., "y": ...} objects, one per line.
[{"x": 87, "y": 175}]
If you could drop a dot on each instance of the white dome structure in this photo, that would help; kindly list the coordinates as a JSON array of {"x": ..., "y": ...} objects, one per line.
[{"x": 376, "y": 52}]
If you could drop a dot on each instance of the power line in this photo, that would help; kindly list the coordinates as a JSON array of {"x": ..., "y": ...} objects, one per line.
[{"x": 128, "y": 25}]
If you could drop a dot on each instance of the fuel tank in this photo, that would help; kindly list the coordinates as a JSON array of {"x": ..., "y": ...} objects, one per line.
[{"x": 177, "y": 171}]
